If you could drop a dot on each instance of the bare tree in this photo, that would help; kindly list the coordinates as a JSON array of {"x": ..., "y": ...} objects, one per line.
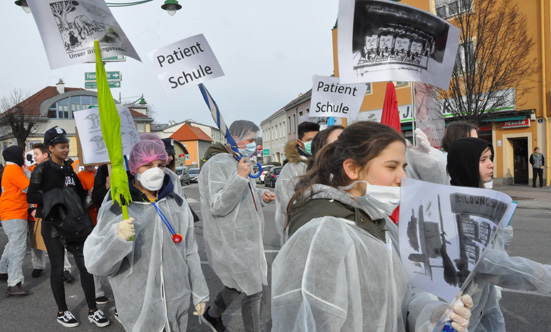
[
  {"x": 16, "y": 118},
  {"x": 493, "y": 68},
  {"x": 60, "y": 10}
]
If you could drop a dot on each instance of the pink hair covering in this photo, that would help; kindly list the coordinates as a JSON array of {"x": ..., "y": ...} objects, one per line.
[
  {"x": 144, "y": 152},
  {"x": 151, "y": 137}
]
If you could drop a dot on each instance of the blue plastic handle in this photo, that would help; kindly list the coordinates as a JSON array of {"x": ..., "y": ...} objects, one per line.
[{"x": 254, "y": 176}]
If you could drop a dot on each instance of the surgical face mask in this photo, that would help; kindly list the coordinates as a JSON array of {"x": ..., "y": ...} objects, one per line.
[
  {"x": 379, "y": 201},
  {"x": 152, "y": 179},
  {"x": 249, "y": 149},
  {"x": 489, "y": 184},
  {"x": 308, "y": 147}
]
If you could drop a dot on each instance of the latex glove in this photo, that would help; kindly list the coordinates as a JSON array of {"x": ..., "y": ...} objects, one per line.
[
  {"x": 244, "y": 168},
  {"x": 422, "y": 141},
  {"x": 199, "y": 309},
  {"x": 268, "y": 196},
  {"x": 125, "y": 229},
  {"x": 461, "y": 313}
]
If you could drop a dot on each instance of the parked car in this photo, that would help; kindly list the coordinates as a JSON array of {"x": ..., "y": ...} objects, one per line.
[
  {"x": 265, "y": 170},
  {"x": 194, "y": 174},
  {"x": 271, "y": 177},
  {"x": 183, "y": 175}
]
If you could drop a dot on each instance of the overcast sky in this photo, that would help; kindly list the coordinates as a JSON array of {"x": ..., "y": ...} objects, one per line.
[{"x": 269, "y": 51}]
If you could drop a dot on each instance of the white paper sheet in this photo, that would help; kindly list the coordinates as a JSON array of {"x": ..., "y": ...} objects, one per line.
[{"x": 330, "y": 98}]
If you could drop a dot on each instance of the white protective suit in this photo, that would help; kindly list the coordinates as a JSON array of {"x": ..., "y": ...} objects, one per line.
[
  {"x": 152, "y": 277},
  {"x": 233, "y": 225},
  {"x": 332, "y": 275},
  {"x": 285, "y": 189}
]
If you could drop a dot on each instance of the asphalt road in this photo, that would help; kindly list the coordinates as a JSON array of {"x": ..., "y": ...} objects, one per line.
[{"x": 524, "y": 311}]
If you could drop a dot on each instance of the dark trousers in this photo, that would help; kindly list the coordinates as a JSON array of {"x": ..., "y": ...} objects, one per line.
[
  {"x": 56, "y": 253},
  {"x": 537, "y": 172}
]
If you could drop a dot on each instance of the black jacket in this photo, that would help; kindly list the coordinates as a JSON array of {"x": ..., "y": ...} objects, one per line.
[{"x": 48, "y": 176}]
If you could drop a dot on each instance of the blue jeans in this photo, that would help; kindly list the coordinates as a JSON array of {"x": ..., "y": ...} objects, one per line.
[{"x": 14, "y": 252}]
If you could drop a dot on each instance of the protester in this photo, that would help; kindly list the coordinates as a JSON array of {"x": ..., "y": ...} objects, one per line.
[
  {"x": 14, "y": 211},
  {"x": 538, "y": 164},
  {"x": 324, "y": 137},
  {"x": 169, "y": 148},
  {"x": 341, "y": 271},
  {"x": 51, "y": 174},
  {"x": 152, "y": 274},
  {"x": 298, "y": 153},
  {"x": 233, "y": 228}
]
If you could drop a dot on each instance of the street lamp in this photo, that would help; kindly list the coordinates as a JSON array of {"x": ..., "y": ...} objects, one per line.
[
  {"x": 23, "y": 4},
  {"x": 171, "y": 6}
]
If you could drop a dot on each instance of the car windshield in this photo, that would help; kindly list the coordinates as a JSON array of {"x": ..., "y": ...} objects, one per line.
[
  {"x": 179, "y": 170},
  {"x": 194, "y": 171},
  {"x": 276, "y": 171}
]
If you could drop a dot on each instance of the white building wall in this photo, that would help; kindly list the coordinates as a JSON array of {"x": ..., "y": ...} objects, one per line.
[{"x": 274, "y": 137}]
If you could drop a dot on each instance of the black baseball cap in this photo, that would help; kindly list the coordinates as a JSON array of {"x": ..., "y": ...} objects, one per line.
[
  {"x": 169, "y": 146},
  {"x": 55, "y": 135}
]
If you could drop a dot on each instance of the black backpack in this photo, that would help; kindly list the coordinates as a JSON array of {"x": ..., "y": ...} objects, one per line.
[{"x": 64, "y": 210}]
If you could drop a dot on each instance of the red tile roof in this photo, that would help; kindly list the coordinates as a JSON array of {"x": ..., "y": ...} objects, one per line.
[
  {"x": 190, "y": 133},
  {"x": 31, "y": 105},
  {"x": 136, "y": 114}
]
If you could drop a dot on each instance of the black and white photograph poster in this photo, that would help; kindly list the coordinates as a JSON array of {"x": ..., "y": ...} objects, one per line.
[
  {"x": 93, "y": 146},
  {"x": 444, "y": 231},
  {"x": 69, "y": 28},
  {"x": 389, "y": 41},
  {"x": 330, "y": 98}
]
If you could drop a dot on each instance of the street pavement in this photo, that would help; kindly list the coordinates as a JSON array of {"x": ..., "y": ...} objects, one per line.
[{"x": 524, "y": 311}]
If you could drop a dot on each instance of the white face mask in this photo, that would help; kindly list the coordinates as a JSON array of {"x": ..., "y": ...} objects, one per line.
[
  {"x": 489, "y": 184},
  {"x": 152, "y": 179},
  {"x": 249, "y": 149},
  {"x": 379, "y": 201}
]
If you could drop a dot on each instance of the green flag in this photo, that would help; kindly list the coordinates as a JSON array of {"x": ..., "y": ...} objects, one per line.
[{"x": 111, "y": 130}]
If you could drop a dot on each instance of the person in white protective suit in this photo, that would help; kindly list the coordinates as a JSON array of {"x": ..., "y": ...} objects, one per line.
[
  {"x": 341, "y": 270},
  {"x": 151, "y": 259},
  {"x": 231, "y": 206},
  {"x": 470, "y": 165},
  {"x": 298, "y": 154}
]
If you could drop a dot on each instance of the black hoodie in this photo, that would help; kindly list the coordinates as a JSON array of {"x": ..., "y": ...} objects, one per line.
[
  {"x": 14, "y": 154},
  {"x": 464, "y": 161}
]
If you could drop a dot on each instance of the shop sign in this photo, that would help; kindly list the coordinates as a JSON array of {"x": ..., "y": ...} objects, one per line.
[{"x": 516, "y": 124}]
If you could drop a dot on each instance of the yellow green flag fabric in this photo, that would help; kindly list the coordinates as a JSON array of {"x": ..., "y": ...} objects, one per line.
[{"x": 111, "y": 130}]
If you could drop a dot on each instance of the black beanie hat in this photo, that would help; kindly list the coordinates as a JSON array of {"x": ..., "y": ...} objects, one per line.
[
  {"x": 14, "y": 154},
  {"x": 169, "y": 146}
]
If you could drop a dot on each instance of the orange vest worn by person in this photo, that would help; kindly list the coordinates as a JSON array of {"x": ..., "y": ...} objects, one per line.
[
  {"x": 87, "y": 180},
  {"x": 13, "y": 202}
]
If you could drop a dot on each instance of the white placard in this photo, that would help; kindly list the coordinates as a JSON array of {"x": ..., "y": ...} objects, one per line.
[
  {"x": 186, "y": 63},
  {"x": 69, "y": 28},
  {"x": 444, "y": 231},
  {"x": 389, "y": 41},
  {"x": 330, "y": 98},
  {"x": 88, "y": 124}
]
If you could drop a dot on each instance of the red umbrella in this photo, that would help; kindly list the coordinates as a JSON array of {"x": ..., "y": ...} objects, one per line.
[{"x": 390, "y": 116}]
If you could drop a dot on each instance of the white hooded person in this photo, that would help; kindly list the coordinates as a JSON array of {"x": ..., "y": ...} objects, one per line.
[
  {"x": 151, "y": 259},
  {"x": 340, "y": 269},
  {"x": 231, "y": 206}
]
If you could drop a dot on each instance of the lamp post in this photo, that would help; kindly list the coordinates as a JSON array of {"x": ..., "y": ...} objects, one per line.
[{"x": 171, "y": 6}]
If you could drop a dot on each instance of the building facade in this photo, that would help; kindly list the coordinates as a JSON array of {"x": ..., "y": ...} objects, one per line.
[{"x": 274, "y": 137}]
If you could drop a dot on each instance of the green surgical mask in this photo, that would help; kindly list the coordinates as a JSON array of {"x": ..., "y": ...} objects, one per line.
[{"x": 308, "y": 147}]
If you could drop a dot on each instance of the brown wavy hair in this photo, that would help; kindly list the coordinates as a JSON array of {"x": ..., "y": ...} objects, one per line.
[{"x": 361, "y": 142}]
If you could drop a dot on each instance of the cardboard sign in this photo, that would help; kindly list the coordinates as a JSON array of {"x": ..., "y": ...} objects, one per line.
[
  {"x": 91, "y": 138},
  {"x": 186, "y": 63},
  {"x": 69, "y": 28},
  {"x": 330, "y": 98},
  {"x": 389, "y": 41}
]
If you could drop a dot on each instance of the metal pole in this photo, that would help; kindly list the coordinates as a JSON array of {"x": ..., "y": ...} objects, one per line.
[{"x": 412, "y": 93}]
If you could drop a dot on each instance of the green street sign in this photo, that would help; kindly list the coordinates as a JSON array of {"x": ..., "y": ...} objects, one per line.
[
  {"x": 266, "y": 152},
  {"x": 92, "y": 84},
  {"x": 111, "y": 75}
]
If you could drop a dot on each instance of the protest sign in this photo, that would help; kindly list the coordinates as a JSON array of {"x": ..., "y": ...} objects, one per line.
[
  {"x": 186, "y": 63},
  {"x": 91, "y": 138},
  {"x": 69, "y": 28},
  {"x": 444, "y": 231},
  {"x": 428, "y": 116},
  {"x": 330, "y": 98},
  {"x": 389, "y": 41}
]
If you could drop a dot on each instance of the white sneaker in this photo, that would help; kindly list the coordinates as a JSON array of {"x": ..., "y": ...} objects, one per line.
[
  {"x": 67, "y": 319},
  {"x": 98, "y": 318}
]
